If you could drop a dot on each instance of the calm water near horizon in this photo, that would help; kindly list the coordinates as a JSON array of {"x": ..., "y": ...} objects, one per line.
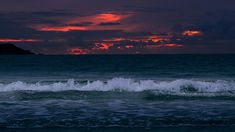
[{"x": 138, "y": 91}]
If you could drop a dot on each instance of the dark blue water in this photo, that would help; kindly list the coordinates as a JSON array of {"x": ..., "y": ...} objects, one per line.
[
  {"x": 141, "y": 91},
  {"x": 110, "y": 66}
]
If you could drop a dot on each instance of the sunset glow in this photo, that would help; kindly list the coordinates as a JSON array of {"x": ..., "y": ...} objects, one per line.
[
  {"x": 105, "y": 46},
  {"x": 98, "y": 18},
  {"x": 77, "y": 51},
  {"x": 172, "y": 45},
  {"x": 130, "y": 42},
  {"x": 117, "y": 65},
  {"x": 118, "y": 27},
  {"x": 62, "y": 28},
  {"x": 93, "y": 20},
  {"x": 154, "y": 38},
  {"x": 7, "y": 40},
  {"x": 129, "y": 46},
  {"x": 163, "y": 45},
  {"x": 192, "y": 33},
  {"x": 108, "y": 17}
]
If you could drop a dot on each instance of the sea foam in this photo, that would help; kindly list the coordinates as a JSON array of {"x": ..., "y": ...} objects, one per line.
[{"x": 179, "y": 86}]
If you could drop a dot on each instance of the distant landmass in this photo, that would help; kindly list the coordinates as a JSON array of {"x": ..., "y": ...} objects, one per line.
[{"x": 11, "y": 49}]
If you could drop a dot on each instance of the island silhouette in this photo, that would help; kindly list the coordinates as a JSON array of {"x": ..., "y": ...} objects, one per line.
[{"x": 11, "y": 49}]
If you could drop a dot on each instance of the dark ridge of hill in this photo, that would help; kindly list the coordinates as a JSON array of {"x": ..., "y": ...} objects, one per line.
[{"x": 11, "y": 49}]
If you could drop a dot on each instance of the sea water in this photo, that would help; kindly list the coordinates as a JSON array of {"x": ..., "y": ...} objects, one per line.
[{"x": 118, "y": 91}]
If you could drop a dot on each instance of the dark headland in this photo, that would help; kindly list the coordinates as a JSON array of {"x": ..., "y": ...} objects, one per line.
[{"x": 11, "y": 49}]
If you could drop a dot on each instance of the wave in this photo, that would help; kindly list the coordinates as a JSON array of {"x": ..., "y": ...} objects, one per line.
[{"x": 180, "y": 87}]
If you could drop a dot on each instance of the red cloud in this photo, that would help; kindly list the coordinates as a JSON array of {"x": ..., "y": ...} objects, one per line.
[
  {"x": 62, "y": 28},
  {"x": 94, "y": 19},
  {"x": 129, "y": 46},
  {"x": 99, "y": 18},
  {"x": 7, "y": 40},
  {"x": 192, "y": 33},
  {"x": 154, "y": 40},
  {"x": 109, "y": 17},
  {"x": 77, "y": 51},
  {"x": 172, "y": 45},
  {"x": 163, "y": 45}
]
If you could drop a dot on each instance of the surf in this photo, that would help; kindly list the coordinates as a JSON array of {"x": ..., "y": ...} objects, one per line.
[{"x": 181, "y": 87}]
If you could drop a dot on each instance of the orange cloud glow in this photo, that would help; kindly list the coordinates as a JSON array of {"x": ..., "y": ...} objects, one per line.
[
  {"x": 99, "y": 18},
  {"x": 110, "y": 43},
  {"x": 156, "y": 39},
  {"x": 62, "y": 28},
  {"x": 163, "y": 45},
  {"x": 7, "y": 40},
  {"x": 104, "y": 46},
  {"x": 100, "y": 47},
  {"x": 95, "y": 21},
  {"x": 192, "y": 33},
  {"x": 77, "y": 51},
  {"x": 146, "y": 39},
  {"x": 114, "y": 40},
  {"x": 109, "y": 17},
  {"x": 129, "y": 46},
  {"x": 172, "y": 45}
]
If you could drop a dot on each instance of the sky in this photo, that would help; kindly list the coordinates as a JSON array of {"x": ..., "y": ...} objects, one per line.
[{"x": 119, "y": 26}]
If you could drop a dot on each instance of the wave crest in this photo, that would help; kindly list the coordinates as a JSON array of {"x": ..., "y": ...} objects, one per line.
[{"x": 178, "y": 87}]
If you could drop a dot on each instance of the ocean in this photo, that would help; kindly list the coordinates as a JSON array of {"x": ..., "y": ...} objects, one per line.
[{"x": 111, "y": 92}]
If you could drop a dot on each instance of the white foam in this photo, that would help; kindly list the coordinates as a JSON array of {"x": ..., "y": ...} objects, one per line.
[{"x": 129, "y": 85}]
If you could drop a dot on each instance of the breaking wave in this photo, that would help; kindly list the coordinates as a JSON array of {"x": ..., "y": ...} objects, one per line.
[{"x": 176, "y": 87}]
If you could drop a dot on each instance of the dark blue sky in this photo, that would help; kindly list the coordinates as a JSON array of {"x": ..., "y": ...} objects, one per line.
[{"x": 120, "y": 26}]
